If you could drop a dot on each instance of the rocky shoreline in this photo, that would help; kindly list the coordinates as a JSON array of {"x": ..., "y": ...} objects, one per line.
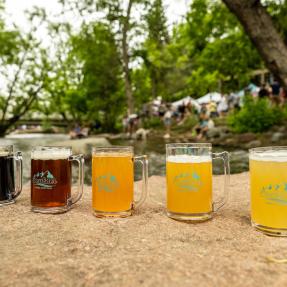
[{"x": 220, "y": 136}]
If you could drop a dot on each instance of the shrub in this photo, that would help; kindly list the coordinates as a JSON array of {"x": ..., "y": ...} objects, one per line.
[
  {"x": 153, "y": 123},
  {"x": 47, "y": 126},
  {"x": 187, "y": 125},
  {"x": 255, "y": 116}
]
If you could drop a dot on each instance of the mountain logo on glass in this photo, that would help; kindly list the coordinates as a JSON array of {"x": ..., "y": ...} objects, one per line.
[
  {"x": 44, "y": 180},
  {"x": 188, "y": 182}
]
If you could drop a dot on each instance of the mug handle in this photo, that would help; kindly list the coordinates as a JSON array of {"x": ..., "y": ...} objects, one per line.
[
  {"x": 225, "y": 157},
  {"x": 19, "y": 170},
  {"x": 142, "y": 159},
  {"x": 80, "y": 160}
]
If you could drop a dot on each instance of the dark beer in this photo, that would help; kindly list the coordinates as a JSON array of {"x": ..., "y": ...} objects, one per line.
[
  {"x": 6, "y": 178},
  {"x": 50, "y": 182}
]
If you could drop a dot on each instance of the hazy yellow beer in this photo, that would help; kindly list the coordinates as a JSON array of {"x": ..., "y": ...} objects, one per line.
[
  {"x": 189, "y": 181},
  {"x": 268, "y": 182},
  {"x": 113, "y": 181},
  {"x": 189, "y": 184}
]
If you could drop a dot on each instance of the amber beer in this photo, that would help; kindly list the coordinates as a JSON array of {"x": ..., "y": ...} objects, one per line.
[
  {"x": 51, "y": 182},
  {"x": 113, "y": 181},
  {"x": 51, "y": 179},
  {"x": 268, "y": 184}
]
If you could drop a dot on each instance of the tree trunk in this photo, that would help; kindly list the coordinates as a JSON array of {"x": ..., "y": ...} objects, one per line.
[
  {"x": 126, "y": 59},
  {"x": 5, "y": 125},
  {"x": 3, "y": 129},
  {"x": 262, "y": 32}
]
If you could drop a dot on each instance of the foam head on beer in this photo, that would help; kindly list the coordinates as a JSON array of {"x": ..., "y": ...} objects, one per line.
[
  {"x": 276, "y": 156},
  {"x": 184, "y": 158},
  {"x": 52, "y": 154}
]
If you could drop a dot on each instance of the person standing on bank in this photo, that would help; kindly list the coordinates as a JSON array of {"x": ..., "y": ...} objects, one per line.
[{"x": 167, "y": 119}]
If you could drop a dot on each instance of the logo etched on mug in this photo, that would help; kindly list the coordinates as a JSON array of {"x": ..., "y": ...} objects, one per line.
[
  {"x": 107, "y": 183},
  {"x": 188, "y": 182},
  {"x": 44, "y": 180},
  {"x": 275, "y": 193}
]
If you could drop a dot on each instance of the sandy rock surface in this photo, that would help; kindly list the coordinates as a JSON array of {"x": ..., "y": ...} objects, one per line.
[{"x": 147, "y": 249}]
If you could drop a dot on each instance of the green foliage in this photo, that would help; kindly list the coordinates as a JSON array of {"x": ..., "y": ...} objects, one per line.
[
  {"x": 153, "y": 123},
  {"x": 255, "y": 116},
  {"x": 82, "y": 78},
  {"x": 23, "y": 73},
  {"x": 219, "y": 49},
  {"x": 9, "y": 41},
  {"x": 86, "y": 84},
  {"x": 47, "y": 126},
  {"x": 153, "y": 50},
  {"x": 188, "y": 124},
  {"x": 278, "y": 11},
  {"x": 95, "y": 46}
]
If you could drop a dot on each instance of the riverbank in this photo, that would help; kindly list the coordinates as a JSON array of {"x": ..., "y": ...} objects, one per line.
[
  {"x": 220, "y": 136},
  {"x": 147, "y": 249}
]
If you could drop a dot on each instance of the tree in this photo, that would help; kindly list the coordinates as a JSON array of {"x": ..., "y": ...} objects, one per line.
[
  {"x": 156, "y": 42},
  {"x": 101, "y": 96},
  {"x": 119, "y": 16},
  {"x": 86, "y": 85},
  {"x": 220, "y": 54},
  {"x": 259, "y": 26},
  {"x": 23, "y": 74}
]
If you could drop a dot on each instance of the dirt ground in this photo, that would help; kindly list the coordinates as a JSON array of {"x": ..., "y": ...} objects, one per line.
[{"x": 147, "y": 249}]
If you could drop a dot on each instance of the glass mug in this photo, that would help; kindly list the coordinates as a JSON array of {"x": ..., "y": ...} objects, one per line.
[
  {"x": 51, "y": 179},
  {"x": 189, "y": 181},
  {"x": 9, "y": 187},
  {"x": 268, "y": 185},
  {"x": 113, "y": 181}
]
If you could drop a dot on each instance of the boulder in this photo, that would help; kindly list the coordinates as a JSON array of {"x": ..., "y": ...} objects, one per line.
[
  {"x": 282, "y": 129},
  {"x": 276, "y": 137},
  {"x": 247, "y": 137},
  {"x": 214, "y": 133},
  {"x": 253, "y": 144}
]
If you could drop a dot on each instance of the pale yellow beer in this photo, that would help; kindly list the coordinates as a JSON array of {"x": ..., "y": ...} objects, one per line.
[
  {"x": 268, "y": 182},
  {"x": 113, "y": 182},
  {"x": 189, "y": 184}
]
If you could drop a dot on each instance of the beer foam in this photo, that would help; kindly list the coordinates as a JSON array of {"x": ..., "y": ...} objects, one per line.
[
  {"x": 5, "y": 153},
  {"x": 184, "y": 158},
  {"x": 110, "y": 154},
  {"x": 276, "y": 155},
  {"x": 51, "y": 154}
]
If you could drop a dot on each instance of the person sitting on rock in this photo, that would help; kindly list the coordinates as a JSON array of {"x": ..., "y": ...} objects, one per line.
[{"x": 203, "y": 125}]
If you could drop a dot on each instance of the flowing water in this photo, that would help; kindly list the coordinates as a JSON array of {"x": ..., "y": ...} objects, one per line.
[{"x": 154, "y": 148}]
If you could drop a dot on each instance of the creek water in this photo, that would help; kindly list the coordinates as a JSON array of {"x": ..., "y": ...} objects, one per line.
[{"x": 153, "y": 147}]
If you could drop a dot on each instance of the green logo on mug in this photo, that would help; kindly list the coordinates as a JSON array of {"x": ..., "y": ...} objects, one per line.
[
  {"x": 107, "y": 183},
  {"x": 188, "y": 182},
  {"x": 275, "y": 193}
]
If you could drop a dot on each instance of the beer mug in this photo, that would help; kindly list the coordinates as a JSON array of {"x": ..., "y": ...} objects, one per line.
[
  {"x": 113, "y": 181},
  {"x": 51, "y": 179},
  {"x": 268, "y": 184},
  {"x": 189, "y": 181},
  {"x": 9, "y": 187}
]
